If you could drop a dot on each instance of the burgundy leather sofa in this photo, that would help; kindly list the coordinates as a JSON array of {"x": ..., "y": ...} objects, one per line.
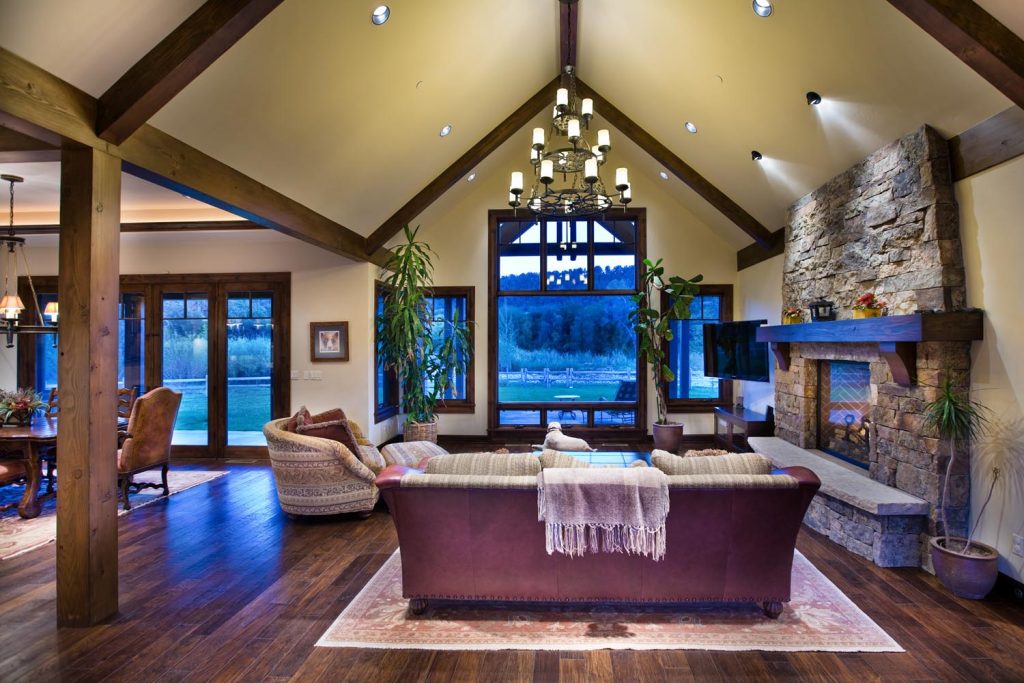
[{"x": 724, "y": 544}]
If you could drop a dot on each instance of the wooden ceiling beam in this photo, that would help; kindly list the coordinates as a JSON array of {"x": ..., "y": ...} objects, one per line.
[
  {"x": 990, "y": 143},
  {"x": 568, "y": 30},
  {"x": 18, "y": 148},
  {"x": 174, "y": 63},
  {"x": 463, "y": 165},
  {"x": 977, "y": 38},
  {"x": 678, "y": 167},
  {"x": 37, "y": 103},
  {"x": 161, "y": 226},
  {"x": 752, "y": 254}
]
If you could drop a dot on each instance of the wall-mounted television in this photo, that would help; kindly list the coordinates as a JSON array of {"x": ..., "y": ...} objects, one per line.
[{"x": 731, "y": 351}]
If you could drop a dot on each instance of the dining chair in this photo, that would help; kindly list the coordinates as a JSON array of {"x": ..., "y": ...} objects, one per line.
[
  {"x": 125, "y": 401},
  {"x": 49, "y": 453},
  {"x": 147, "y": 443},
  {"x": 12, "y": 471}
]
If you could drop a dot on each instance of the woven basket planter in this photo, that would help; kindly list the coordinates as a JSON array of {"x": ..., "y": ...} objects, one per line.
[{"x": 421, "y": 431}]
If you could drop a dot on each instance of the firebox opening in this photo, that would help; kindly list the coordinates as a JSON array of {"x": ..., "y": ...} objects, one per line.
[{"x": 844, "y": 410}]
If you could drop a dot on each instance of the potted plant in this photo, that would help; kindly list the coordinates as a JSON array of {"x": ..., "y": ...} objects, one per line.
[
  {"x": 966, "y": 567},
  {"x": 18, "y": 407},
  {"x": 654, "y": 332},
  {"x": 791, "y": 315},
  {"x": 868, "y": 306},
  {"x": 426, "y": 352}
]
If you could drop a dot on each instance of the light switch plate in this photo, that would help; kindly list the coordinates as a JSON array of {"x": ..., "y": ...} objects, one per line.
[
  {"x": 317, "y": 375},
  {"x": 305, "y": 374},
  {"x": 295, "y": 374}
]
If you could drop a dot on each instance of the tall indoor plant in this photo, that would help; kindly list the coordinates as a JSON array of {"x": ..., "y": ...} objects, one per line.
[
  {"x": 426, "y": 352},
  {"x": 654, "y": 331},
  {"x": 966, "y": 567}
]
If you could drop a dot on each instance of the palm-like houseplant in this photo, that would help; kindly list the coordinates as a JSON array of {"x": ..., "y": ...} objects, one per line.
[
  {"x": 425, "y": 351},
  {"x": 654, "y": 331},
  {"x": 966, "y": 567}
]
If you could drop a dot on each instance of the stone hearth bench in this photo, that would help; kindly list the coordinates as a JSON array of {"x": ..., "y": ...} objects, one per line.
[{"x": 864, "y": 516}]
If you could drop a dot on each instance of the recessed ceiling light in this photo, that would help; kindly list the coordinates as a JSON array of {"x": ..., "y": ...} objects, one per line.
[
  {"x": 380, "y": 14},
  {"x": 763, "y": 8},
  {"x": 446, "y": 130},
  {"x": 664, "y": 176},
  {"x": 691, "y": 126},
  {"x": 813, "y": 98},
  {"x": 755, "y": 155},
  {"x": 471, "y": 177}
]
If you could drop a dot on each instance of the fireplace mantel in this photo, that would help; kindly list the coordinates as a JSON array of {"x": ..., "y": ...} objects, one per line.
[{"x": 896, "y": 335}]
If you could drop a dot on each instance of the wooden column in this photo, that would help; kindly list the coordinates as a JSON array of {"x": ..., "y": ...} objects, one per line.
[{"x": 90, "y": 205}]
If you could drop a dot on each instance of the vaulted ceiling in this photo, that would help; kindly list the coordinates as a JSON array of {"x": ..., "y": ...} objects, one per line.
[{"x": 344, "y": 116}]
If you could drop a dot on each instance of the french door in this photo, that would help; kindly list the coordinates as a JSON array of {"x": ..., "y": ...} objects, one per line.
[{"x": 220, "y": 340}]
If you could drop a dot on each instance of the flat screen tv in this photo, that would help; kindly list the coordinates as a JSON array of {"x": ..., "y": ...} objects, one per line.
[{"x": 731, "y": 351}]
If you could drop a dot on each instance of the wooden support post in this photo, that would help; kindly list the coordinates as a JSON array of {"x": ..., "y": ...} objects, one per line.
[{"x": 90, "y": 206}]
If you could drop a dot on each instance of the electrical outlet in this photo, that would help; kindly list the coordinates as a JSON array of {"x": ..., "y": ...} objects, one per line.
[{"x": 1018, "y": 545}]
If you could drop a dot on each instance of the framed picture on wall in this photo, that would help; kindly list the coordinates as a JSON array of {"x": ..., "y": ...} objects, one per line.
[{"x": 328, "y": 342}]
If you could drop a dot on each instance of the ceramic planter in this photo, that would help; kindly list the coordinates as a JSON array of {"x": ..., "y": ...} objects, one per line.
[
  {"x": 867, "y": 312},
  {"x": 792, "y": 319},
  {"x": 667, "y": 437},
  {"x": 966, "y": 576}
]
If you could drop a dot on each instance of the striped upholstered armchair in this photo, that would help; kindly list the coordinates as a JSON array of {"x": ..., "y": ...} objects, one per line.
[{"x": 316, "y": 476}]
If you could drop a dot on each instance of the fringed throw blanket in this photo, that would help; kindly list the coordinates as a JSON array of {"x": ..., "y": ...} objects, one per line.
[{"x": 612, "y": 510}]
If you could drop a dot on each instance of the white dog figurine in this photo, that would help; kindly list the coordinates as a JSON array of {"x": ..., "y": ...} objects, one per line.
[{"x": 556, "y": 440}]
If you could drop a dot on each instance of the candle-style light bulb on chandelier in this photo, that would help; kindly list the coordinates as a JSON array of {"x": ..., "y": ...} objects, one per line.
[
  {"x": 566, "y": 154},
  {"x": 11, "y": 305}
]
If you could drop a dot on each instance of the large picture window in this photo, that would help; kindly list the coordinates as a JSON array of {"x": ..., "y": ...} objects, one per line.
[
  {"x": 691, "y": 390},
  {"x": 564, "y": 349}
]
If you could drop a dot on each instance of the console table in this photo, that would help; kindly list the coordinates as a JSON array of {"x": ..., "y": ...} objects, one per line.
[{"x": 734, "y": 425}]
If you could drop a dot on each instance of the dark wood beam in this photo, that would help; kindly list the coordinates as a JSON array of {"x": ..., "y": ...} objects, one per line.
[
  {"x": 174, "y": 63},
  {"x": 752, "y": 254},
  {"x": 678, "y": 167},
  {"x": 990, "y": 143},
  {"x": 463, "y": 165},
  {"x": 18, "y": 148},
  {"x": 568, "y": 25},
  {"x": 90, "y": 192},
  {"x": 162, "y": 226},
  {"x": 37, "y": 103},
  {"x": 975, "y": 37}
]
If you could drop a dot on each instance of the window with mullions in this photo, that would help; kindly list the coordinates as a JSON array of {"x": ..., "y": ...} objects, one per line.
[
  {"x": 560, "y": 300},
  {"x": 691, "y": 390},
  {"x": 454, "y": 305},
  {"x": 385, "y": 382}
]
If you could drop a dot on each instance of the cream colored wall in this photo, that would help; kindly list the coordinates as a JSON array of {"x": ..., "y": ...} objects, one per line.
[
  {"x": 759, "y": 297},
  {"x": 324, "y": 287},
  {"x": 991, "y": 210}
]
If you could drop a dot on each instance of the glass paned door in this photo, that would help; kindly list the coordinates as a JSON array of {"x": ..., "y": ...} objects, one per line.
[
  {"x": 250, "y": 365},
  {"x": 185, "y": 360}
]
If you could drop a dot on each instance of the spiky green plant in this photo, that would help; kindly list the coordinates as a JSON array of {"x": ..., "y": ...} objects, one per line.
[
  {"x": 425, "y": 351},
  {"x": 958, "y": 420},
  {"x": 653, "y": 327}
]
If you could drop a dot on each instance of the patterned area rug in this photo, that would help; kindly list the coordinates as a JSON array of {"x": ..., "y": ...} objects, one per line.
[
  {"x": 819, "y": 618},
  {"x": 19, "y": 535}
]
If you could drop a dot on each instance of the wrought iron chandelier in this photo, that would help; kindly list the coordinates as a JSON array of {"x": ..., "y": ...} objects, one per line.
[
  {"x": 568, "y": 153},
  {"x": 11, "y": 305}
]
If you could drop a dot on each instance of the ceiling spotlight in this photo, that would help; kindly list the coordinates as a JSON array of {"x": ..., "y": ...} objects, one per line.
[
  {"x": 664, "y": 176},
  {"x": 763, "y": 8},
  {"x": 691, "y": 126},
  {"x": 755, "y": 155},
  {"x": 471, "y": 177},
  {"x": 813, "y": 98},
  {"x": 381, "y": 14},
  {"x": 446, "y": 130}
]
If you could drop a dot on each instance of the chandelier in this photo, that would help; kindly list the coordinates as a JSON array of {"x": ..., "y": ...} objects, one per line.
[
  {"x": 11, "y": 305},
  {"x": 568, "y": 154}
]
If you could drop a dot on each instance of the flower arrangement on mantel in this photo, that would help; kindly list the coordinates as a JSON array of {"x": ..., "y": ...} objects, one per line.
[
  {"x": 791, "y": 315},
  {"x": 18, "y": 407},
  {"x": 868, "y": 306}
]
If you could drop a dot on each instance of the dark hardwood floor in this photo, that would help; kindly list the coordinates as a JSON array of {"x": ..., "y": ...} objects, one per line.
[{"x": 218, "y": 585}]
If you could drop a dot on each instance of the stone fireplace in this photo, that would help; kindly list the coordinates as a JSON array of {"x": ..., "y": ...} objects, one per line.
[{"x": 889, "y": 225}]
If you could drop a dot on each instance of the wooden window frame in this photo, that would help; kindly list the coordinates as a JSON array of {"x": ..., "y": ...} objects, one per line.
[
  {"x": 467, "y": 404},
  {"x": 382, "y": 411},
  {"x": 494, "y": 428},
  {"x": 706, "y": 405}
]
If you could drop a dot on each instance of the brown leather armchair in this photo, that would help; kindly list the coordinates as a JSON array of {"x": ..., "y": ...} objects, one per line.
[{"x": 148, "y": 440}]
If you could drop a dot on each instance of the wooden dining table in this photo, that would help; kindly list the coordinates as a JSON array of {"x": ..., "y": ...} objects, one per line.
[{"x": 32, "y": 439}]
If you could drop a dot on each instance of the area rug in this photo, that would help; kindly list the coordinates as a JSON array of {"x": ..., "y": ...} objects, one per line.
[
  {"x": 19, "y": 535},
  {"x": 819, "y": 618}
]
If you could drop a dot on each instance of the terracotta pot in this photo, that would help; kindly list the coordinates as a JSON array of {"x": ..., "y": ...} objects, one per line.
[
  {"x": 421, "y": 431},
  {"x": 867, "y": 312},
  {"x": 667, "y": 437},
  {"x": 966, "y": 576}
]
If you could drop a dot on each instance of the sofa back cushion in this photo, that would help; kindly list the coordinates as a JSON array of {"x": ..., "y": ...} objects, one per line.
[
  {"x": 486, "y": 464},
  {"x": 552, "y": 458},
  {"x": 733, "y": 463},
  {"x": 733, "y": 481}
]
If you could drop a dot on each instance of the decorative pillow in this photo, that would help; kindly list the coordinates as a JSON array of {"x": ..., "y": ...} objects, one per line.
[
  {"x": 371, "y": 457},
  {"x": 293, "y": 422},
  {"x": 732, "y": 463},
  {"x": 336, "y": 429},
  {"x": 332, "y": 415},
  {"x": 704, "y": 451},
  {"x": 495, "y": 464},
  {"x": 550, "y": 458}
]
